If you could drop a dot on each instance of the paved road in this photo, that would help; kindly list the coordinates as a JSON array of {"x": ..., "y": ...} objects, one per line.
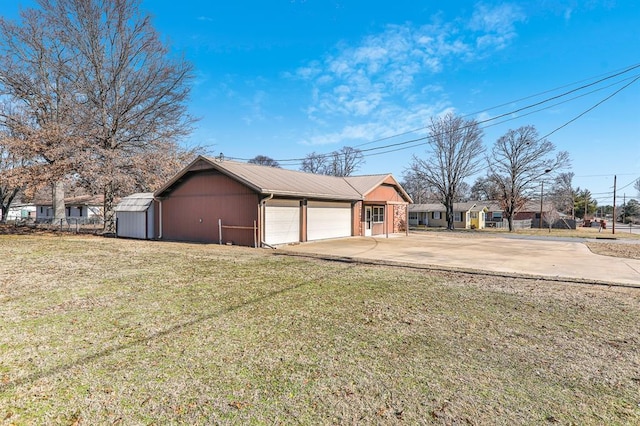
[
  {"x": 560, "y": 259},
  {"x": 627, "y": 229}
]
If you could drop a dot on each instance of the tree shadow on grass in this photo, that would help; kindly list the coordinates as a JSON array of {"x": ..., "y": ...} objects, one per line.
[{"x": 155, "y": 336}]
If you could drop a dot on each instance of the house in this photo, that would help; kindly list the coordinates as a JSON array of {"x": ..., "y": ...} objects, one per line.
[
  {"x": 419, "y": 214},
  {"x": 494, "y": 215},
  {"x": 20, "y": 211},
  {"x": 83, "y": 209},
  {"x": 135, "y": 216},
  {"x": 532, "y": 209},
  {"x": 220, "y": 201},
  {"x": 469, "y": 215}
]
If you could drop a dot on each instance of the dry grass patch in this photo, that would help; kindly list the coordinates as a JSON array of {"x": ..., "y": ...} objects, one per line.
[{"x": 96, "y": 331}]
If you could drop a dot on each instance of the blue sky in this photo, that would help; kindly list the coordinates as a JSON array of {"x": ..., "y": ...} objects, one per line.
[{"x": 284, "y": 78}]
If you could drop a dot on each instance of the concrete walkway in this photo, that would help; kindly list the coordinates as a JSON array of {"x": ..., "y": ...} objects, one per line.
[{"x": 558, "y": 259}]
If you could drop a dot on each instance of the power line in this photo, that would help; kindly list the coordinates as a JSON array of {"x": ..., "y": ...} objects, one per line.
[{"x": 297, "y": 161}]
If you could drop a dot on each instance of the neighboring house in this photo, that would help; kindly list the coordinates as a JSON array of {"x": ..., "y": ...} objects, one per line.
[
  {"x": 135, "y": 216},
  {"x": 469, "y": 215},
  {"x": 531, "y": 210},
  {"x": 419, "y": 214},
  {"x": 84, "y": 208},
  {"x": 494, "y": 214},
  {"x": 222, "y": 201},
  {"x": 20, "y": 211}
]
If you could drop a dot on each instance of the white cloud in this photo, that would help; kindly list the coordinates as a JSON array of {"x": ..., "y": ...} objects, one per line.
[
  {"x": 495, "y": 25},
  {"x": 385, "y": 82}
]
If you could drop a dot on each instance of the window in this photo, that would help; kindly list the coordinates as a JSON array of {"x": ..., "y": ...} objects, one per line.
[
  {"x": 497, "y": 216},
  {"x": 378, "y": 214},
  {"x": 435, "y": 215},
  {"x": 457, "y": 216},
  {"x": 413, "y": 216}
]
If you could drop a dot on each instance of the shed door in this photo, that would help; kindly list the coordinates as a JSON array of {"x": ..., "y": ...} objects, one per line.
[
  {"x": 132, "y": 225},
  {"x": 328, "y": 220},
  {"x": 282, "y": 221}
]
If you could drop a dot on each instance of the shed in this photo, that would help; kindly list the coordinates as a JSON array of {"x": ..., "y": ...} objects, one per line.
[{"x": 135, "y": 216}]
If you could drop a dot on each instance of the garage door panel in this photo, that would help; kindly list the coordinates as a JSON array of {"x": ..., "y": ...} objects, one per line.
[
  {"x": 282, "y": 222},
  {"x": 328, "y": 220}
]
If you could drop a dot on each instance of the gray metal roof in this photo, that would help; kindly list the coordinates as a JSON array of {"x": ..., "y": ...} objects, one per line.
[
  {"x": 139, "y": 202},
  {"x": 283, "y": 182}
]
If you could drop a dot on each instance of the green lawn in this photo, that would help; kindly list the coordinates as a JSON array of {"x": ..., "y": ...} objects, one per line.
[{"x": 104, "y": 331}]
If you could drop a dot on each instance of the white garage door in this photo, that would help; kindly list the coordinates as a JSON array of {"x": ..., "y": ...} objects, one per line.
[
  {"x": 282, "y": 221},
  {"x": 328, "y": 220}
]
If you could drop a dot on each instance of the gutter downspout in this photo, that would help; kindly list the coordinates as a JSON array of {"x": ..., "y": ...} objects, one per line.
[
  {"x": 263, "y": 202},
  {"x": 159, "y": 219}
]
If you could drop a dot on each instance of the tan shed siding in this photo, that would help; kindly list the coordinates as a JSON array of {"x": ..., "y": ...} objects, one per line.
[{"x": 191, "y": 211}]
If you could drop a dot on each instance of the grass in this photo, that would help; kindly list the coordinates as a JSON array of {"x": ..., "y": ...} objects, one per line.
[{"x": 104, "y": 331}]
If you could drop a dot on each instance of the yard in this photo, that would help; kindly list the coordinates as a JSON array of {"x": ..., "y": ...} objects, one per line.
[{"x": 105, "y": 331}]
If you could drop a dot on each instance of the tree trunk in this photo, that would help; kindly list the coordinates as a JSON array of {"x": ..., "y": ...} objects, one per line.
[
  {"x": 59, "y": 208},
  {"x": 109, "y": 210},
  {"x": 449, "y": 213},
  {"x": 5, "y": 203},
  {"x": 510, "y": 220}
]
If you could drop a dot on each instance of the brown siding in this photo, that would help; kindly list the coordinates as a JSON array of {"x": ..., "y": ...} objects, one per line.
[
  {"x": 383, "y": 194},
  {"x": 191, "y": 211},
  {"x": 358, "y": 219}
]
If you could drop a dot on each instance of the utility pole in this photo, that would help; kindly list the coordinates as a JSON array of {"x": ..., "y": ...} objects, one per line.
[
  {"x": 613, "y": 229},
  {"x": 541, "y": 195}
]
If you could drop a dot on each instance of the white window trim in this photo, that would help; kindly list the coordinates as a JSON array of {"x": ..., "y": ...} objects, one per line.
[{"x": 378, "y": 214}]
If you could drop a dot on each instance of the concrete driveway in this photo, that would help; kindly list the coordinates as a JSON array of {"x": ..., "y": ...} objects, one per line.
[{"x": 559, "y": 259}]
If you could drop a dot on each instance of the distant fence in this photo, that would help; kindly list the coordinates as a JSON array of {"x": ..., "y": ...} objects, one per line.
[
  {"x": 71, "y": 224},
  {"x": 517, "y": 224},
  {"x": 559, "y": 224}
]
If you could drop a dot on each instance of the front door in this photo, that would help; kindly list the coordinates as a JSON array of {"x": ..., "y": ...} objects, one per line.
[{"x": 367, "y": 221}]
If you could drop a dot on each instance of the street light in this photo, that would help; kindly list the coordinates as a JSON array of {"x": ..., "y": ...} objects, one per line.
[{"x": 541, "y": 195}]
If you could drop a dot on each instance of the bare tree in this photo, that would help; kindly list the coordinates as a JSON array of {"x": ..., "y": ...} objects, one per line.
[
  {"x": 343, "y": 162},
  {"x": 10, "y": 182},
  {"x": 263, "y": 160},
  {"x": 419, "y": 191},
  {"x": 40, "y": 113},
  {"x": 484, "y": 189},
  {"x": 454, "y": 154},
  {"x": 551, "y": 216},
  {"x": 518, "y": 161},
  {"x": 133, "y": 95},
  {"x": 563, "y": 194},
  {"x": 314, "y": 163}
]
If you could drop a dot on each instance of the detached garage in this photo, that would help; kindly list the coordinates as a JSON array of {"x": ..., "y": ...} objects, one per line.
[
  {"x": 135, "y": 216},
  {"x": 214, "y": 200}
]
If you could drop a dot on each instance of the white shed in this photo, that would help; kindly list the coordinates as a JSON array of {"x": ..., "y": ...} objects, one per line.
[{"x": 135, "y": 216}]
